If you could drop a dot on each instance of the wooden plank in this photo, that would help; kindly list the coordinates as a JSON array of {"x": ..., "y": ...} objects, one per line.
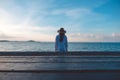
[
  {"x": 60, "y": 71},
  {"x": 58, "y": 59},
  {"x": 60, "y": 76},
  {"x": 59, "y": 63},
  {"x": 59, "y": 54}
]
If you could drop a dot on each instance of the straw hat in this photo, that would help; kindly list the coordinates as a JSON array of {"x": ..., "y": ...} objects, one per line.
[{"x": 61, "y": 30}]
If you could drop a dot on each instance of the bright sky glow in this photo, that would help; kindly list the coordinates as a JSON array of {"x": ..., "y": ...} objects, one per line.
[{"x": 84, "y": 20}]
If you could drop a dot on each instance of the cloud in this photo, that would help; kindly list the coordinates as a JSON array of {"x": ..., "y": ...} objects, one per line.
[
  {"x": 78, "y": 10},
  {"x": 100, "y": 3},
  {"x": 4, "y": 17},
  {"x": 79, "y": 15},
  {"x": 28, "y": 32},
  {"x": 4, "y": 36},
  {"x": 114, "y": 37},
  {"x": 115, "y": 34},
  {"x": 74, "y": 13}
]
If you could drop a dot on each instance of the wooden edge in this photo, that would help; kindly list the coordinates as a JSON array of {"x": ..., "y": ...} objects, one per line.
[
  {"x": 60, "y": 71},
  {"x": 80, "y": 53}
]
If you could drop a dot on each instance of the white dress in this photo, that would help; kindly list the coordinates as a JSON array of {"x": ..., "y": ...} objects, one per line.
[{"x": 61, "y": 46}]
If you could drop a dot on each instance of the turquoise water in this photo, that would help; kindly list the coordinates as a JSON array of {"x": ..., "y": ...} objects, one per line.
[{"x": 49, "y": 46}]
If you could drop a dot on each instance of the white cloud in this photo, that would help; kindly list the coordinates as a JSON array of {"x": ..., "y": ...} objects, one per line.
[
  {"x": 77, "y": 13},
  {"x": 26, "y": 32},
  {"x": 83, "y": 14},
  {"x": 4, "y": 36},
  {"x": 100, "y": 3},
  {"x": 115, "y": 37},
  {"x": 4, "y": 17},
  {"x": 74, "y": 13},
  {"x": 115, "y": 34}
]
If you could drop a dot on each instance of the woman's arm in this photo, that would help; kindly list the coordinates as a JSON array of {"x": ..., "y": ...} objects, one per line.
[
  {"x": 56, "y": 44},
  {"x": 66, "y": 43}
]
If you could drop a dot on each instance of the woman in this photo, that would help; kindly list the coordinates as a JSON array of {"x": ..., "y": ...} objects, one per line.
[{"x": 61, "y": 43}]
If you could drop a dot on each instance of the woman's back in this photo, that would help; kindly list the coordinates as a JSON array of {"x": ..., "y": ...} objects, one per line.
[{"x": 61, "y": 44}]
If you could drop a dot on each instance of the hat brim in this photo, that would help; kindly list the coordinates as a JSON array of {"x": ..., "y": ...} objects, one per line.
[{"x": 61, "y": 31}]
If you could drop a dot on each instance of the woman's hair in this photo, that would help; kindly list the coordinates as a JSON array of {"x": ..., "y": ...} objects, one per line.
[{"x": 61, "y": 36}]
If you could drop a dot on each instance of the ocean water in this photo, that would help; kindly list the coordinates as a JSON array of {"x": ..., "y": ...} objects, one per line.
[{"x": 49, "y": 46}]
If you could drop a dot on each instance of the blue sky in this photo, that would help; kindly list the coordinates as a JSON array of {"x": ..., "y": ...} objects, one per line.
[{"x": 84, "y": 20}]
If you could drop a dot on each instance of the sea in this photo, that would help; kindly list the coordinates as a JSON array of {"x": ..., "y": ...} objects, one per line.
[{"x": 50, "y": 46}]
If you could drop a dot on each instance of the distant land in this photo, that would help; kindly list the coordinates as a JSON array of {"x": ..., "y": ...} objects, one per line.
[
  {"x": 18, "y": 41},
  {"x": 42, "y": 41},
  {"x": 4, "y": 41}
]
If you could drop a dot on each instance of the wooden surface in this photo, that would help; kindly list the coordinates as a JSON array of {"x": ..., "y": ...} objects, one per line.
[{"x": 52, "y": 66}]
